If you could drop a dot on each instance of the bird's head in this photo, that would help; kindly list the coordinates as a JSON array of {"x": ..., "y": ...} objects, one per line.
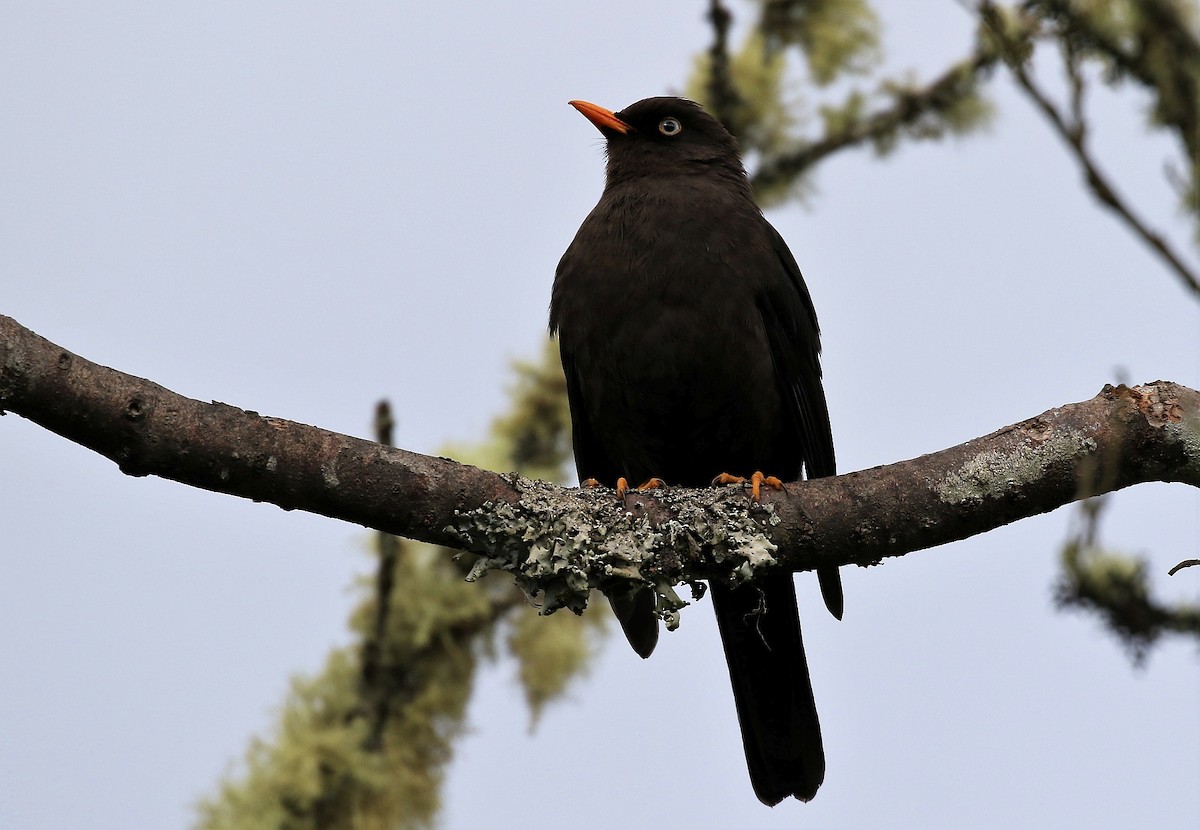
[{"x": 663, "y": 136}]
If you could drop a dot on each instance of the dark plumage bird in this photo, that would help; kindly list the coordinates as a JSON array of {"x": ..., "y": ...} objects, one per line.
[{"x": 691, "y": 349}]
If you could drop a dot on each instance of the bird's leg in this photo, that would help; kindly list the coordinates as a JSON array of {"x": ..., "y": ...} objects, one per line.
[{"x": 756, "y": 483}]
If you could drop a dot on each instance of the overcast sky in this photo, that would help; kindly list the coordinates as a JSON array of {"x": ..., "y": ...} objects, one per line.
[{"x": 301, "y": 207}]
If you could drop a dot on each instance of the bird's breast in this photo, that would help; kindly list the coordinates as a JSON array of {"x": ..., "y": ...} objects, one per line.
[{"x": 655, "y": 303}]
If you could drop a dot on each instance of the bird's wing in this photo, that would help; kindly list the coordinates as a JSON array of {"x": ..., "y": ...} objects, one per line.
[
  {"x": 794, "y": 339},
  {"x": 795, "y": 343},
  {"x": 590, "y": 458}
]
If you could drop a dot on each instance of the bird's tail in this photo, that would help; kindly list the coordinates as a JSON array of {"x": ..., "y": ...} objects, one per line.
[
  {"x": 830, "y": 580},
  {"x": 760, "y": 630},
  {"x": 634, "y": 609}
]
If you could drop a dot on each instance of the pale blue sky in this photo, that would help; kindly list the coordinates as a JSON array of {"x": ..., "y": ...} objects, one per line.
[{"x": 301, "y": 207}]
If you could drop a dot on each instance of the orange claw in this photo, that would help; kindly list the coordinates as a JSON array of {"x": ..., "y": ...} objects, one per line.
[
  {"x": 756, "y": 482},
  {"x": 727, "y": 478},
  {"x": 648, "y": 484}
]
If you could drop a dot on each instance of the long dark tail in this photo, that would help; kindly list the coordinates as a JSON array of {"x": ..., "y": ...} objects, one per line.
[
  {"x": 634, "y": 609},
  {"x": 831, "y": 590},
  {"x": 760, "y": 629}
]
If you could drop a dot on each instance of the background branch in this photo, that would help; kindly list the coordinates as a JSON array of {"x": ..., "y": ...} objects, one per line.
[
  {"x": 1015, "y": 48},
  {"x": 910, "y": 105},
  {"x": 723, "y": 97}
]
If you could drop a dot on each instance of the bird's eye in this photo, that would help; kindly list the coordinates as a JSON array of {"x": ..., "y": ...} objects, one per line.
[{"x": 670, "y": 126}]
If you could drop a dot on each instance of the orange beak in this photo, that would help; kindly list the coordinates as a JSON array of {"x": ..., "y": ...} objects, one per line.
[{"x": 603, "y": 119}]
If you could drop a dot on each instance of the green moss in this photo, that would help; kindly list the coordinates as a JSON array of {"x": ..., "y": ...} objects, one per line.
[{"x": 365, "y": 743}]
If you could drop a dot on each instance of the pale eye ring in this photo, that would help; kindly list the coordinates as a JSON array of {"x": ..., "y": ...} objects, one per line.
[{"x": 670, "y": 127}]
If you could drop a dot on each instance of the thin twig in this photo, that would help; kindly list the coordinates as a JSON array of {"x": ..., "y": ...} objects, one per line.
[
  {"x": 374, "y": 688},
  {"x": 723, "y": 97},
  {"x": 1100, "y": 185},
  {"x": 1187, "y": 563},
  {"x": 1136, "y": 64},
  {"x": 1073, "y": 134}
]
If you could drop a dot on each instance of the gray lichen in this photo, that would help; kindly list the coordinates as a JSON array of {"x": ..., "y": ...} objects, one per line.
[
  {"x": 1188, "y": 433},
  {"x": 1159, "y": 402},
  {"x": 559, "y": 544},
  {"x": 992, "y": 474}
]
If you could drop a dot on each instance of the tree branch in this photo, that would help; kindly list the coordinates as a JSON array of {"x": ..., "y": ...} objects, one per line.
[
  {"x": 723, "y": 97},
  {"x": 908, "y": 108},
  {"x": 1174, "y": 84},
  {"x": 1073, "y": 134},
  {"x": 375, "y": 686},
  {"x": 564, "y": 542}
]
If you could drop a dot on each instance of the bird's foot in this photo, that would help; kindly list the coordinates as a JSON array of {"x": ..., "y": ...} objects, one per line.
[
  {"x": 757, "y": 481},
  {"x": 648, "y": 484},
  {"x": 623, "y": 485}
]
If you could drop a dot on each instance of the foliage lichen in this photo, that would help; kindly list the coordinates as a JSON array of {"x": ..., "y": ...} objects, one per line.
[{"x": 560, "y": 546}]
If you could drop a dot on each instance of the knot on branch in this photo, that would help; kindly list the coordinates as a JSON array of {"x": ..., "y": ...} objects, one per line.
[{"x": 1158, "y": 401}]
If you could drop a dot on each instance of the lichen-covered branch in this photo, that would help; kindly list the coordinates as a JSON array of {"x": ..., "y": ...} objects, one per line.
[
  {"x": 747, "y": 88},
  {"x": 1116, "y": 588},
  {"x": 561, "y": 543},
  {"x": 149, "y": 430},
  {"x": 910, "y": 107}
]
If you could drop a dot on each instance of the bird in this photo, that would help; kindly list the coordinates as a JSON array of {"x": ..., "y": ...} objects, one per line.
[{"x": 691, "y": 349}]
